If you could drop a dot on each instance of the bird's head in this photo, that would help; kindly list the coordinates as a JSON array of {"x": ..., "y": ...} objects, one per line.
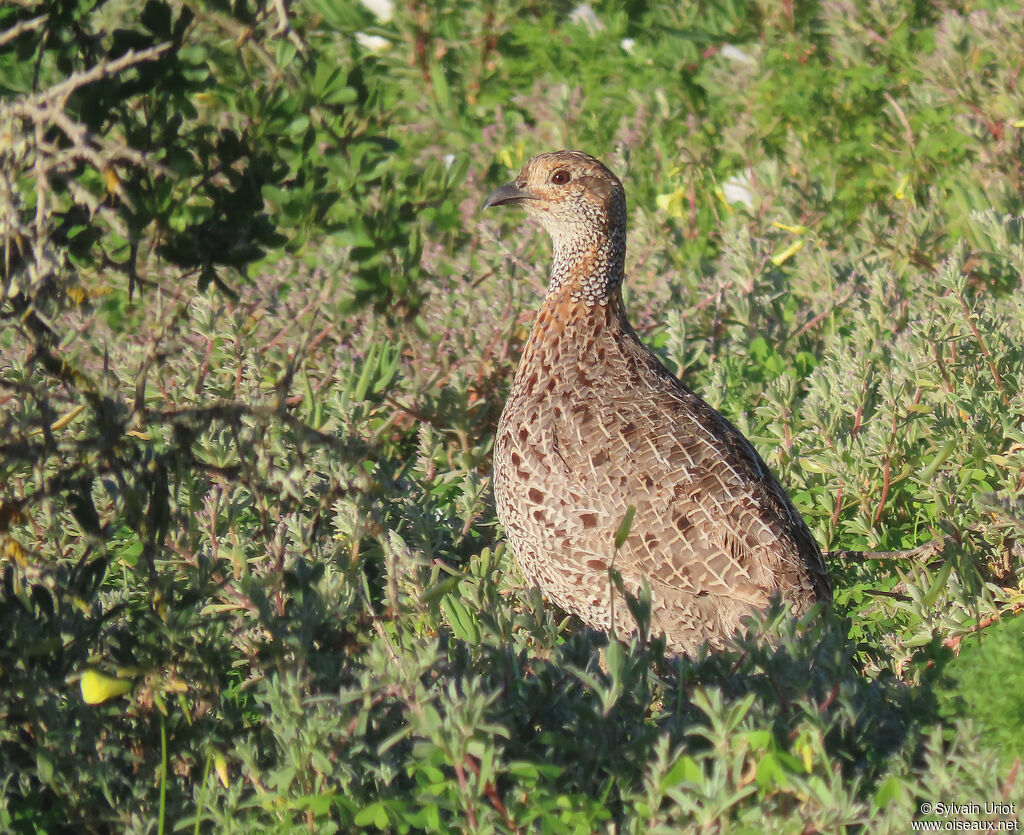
[{"x": 570, "y": 193}]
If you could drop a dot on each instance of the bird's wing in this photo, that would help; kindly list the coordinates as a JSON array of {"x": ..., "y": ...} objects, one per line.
[{"x": 710, "y": 517}]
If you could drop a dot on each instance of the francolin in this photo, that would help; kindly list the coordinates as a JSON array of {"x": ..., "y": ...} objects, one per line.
[{"x": 595, "y": 423}]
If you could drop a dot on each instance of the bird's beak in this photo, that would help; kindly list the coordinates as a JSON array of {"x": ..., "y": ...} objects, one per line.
[{"x": 508, "y": 193}]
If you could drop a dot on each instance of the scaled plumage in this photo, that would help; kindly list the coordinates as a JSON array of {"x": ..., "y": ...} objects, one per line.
[{"x": 595, "y": 423}]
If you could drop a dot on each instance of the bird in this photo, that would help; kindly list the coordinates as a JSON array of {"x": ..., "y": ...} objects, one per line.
[{"x": 595, "y": 425}]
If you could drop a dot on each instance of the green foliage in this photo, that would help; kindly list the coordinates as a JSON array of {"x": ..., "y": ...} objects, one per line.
[
  {"x": 256, "y": 338},
  {"x": 192, "y": 134},
  {"x": 983, "y": 685}
]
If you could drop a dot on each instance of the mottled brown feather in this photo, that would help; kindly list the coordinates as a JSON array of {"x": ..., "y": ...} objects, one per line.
[{"x": 595, "y": 424}]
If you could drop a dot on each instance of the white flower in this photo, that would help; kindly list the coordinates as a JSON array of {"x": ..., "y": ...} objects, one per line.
[
  {"x": 584, "y": 15},
  {"x": 737, "y": 190},
  {"x": 373, "y": 43},
  {"x": 448, "y": 160},
  {"x": 383, "y": 9},
  {"x": 734, "y": 53},
  {"x": 627, "y": 44}
]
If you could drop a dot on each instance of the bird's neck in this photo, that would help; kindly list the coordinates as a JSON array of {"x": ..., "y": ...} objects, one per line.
[
  {"x": 587, "y": 266},
  {"x": 564, "y": 321}
]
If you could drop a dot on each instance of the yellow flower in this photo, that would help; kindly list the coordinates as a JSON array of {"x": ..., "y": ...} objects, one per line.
[
  {"x": 901, "y": 189},
  {"x": 805, "y": 748},
  {"x": 672, "y": 203},
  {"x": 12, "y": 548},
  {"x": 796, "y": 230},
  {"x": 220, "y": 765},
  {"x": 112, "y": 181},
  {"x": 98, "y": 688},
  {"x": 780, "y": 258},
  {"x": 512, "y": 157}
]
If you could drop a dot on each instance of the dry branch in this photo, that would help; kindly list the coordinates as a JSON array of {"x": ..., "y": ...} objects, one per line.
[
  {"x": 922, "y": 553},
  {"x": 19, "y": 29},
  {"x": 31, "y": 153}
]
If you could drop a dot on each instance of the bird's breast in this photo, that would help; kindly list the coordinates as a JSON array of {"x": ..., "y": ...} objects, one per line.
[{"x": 572, "y": 408}]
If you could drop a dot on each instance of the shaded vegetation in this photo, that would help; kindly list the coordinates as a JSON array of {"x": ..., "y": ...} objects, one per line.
[{"x": 255, "y": 337}]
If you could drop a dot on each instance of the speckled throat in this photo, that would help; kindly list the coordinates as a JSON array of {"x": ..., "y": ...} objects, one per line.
[{"x": 589, "y": 258}]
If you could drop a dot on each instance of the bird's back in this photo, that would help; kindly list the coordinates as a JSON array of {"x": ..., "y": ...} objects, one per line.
[{"x": 595, "y": 424}]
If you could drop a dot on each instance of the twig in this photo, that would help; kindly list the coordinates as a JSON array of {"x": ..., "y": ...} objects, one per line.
[
  {"x": 908, "y": 133},
  {"x": 103, "y": 69},
  {"x": 922, "y": 553},
  {"x": 954, "y": 642},
  {"x": 43, "y": 113},
  {"x": 834, "y": 521},
  {"x": 36, "y": 115},
  {"x": 19, "y": 29},
  {"x": 984, "y": 349},
  {"x": 814, "y": 320},
  {"x": 460, "y": 775},
  {"x": 492, "y": 795}
]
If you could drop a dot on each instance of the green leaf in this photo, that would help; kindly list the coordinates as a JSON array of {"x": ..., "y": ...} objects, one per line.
[
  {"x": 685, "y": 770},
  {"x": 285, "y": 53},
  {"x": 442, "y": 91},
  {"x": 374, "y": 814},
  {"x": 464, "y": 624},
  {"x": 890, "y": 790},
  {"x": 624, "y": 527}
]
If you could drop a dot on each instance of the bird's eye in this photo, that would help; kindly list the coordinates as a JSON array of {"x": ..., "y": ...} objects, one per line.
[{"x": 560, "y": 177}]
